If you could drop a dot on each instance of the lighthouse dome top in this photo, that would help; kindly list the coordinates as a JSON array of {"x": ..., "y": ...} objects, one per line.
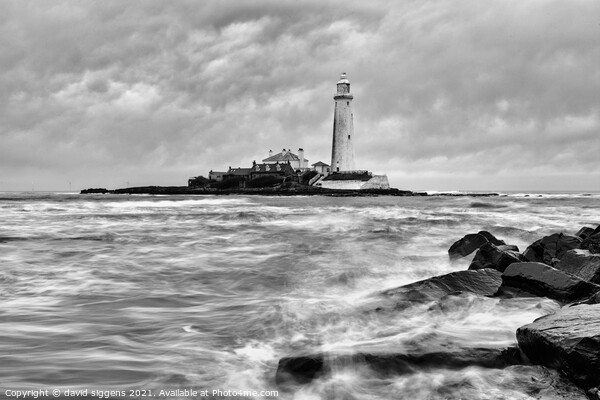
[{"x": 343, "y": 79}]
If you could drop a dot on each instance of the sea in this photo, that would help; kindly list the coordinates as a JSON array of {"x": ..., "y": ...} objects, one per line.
[{"x": 135, "y": 296}]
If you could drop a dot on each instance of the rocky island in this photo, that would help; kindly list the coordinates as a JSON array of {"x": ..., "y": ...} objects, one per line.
[
  {"x": 275, "y": 190},
  {"x": 296, "y": 190}
]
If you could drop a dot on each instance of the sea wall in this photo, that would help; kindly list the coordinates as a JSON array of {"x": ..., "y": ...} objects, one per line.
[
  {"x": 376, "y": 182},
  {"x": 342, "y": 185}
]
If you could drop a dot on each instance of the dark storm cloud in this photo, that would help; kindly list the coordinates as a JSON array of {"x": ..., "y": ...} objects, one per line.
[{"x": 157, "y": 91}]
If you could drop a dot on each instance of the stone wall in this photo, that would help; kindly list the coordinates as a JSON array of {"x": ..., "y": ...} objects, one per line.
[{"x": 377, "y": 182}]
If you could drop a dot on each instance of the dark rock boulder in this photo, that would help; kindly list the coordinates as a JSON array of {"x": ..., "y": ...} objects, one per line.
[
  {"x": 543, "y": 280},
  {"x": 581, "y": 263},
  {"x": 594, "y": 299},
  {"x": 466, "y": 245},
  {"x": 538, "y": 383},
  {"x": 550, "y": 249},
  {"x": 94, "y": 191},
  {"x": 491, "y": 238},
  {"x": 496, "y": 257},
  {"x": 592, "y": 243},
  {"x": 483, "y": 282},
  {"x": 568, "y": 340},
  {"x": 471, "y": 242},
  {"x": 585, "y": 232},
  {"x": 303, "y": 369},
  {"x": 508, "y": 247}
]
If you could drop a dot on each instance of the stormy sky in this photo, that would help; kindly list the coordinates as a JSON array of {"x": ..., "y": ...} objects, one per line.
[{"x": 449, "y": 95}]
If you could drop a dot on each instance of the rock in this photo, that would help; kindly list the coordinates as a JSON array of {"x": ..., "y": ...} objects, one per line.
[
  {"x": 508, "y": 247},
  {"x": 496, "y": 257},
  {"x": 592, "y": 243},
  {"x": 581, "y": 263},
  {"x": 595, "y": 299},
  {"x": 568, "y": 340},
  {"x": 543, "y": 280},
  {"x": 594, "y": 393},
  {"x": 484, "y": 282},
  {"x": 491, "y": 238},
  {"x": 540, "y": 383},
  {"x": 303, "y": 369},
  {"x": 94, "y": 191},
  {"x": 550, "y": 249},
  {"x": 471, "y": 242},
  {"x": 466, "y": 245},
  {"x": 585, "y": 232}
]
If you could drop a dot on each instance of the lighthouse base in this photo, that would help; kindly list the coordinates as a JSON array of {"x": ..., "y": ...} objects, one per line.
[{"x": 353, "y": 180}]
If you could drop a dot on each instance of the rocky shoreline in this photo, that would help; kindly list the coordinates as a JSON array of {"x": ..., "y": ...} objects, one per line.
[
  {"x": 295, "y": 190},
  {"x": 558, "y": 354}
]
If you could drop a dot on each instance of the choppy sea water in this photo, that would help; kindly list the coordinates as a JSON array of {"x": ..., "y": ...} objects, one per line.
[{"x": 170, "y": 292}]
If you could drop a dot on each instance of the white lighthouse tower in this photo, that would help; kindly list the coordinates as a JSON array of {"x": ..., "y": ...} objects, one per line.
[{"x": 342, "y": 150}]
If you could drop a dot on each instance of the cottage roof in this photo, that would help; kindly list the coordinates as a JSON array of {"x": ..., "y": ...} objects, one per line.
[
  {"x": 272, "y": 168},
  {"x": 284, "y": 156},
  {"x": 320, "y": 164},
  {"x": 239, "y": 171}
]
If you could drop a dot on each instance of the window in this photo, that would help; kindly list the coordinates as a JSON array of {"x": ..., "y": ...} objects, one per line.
[
  {"x": 347, "y": 103},
  {"x": 348, "y": 136}
]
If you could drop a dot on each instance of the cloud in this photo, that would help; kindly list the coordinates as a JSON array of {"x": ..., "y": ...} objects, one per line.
[{"x": 92, "y": 91}]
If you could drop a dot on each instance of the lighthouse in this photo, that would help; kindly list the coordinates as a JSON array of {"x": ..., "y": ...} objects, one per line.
[{"x": 342, "y": 150}]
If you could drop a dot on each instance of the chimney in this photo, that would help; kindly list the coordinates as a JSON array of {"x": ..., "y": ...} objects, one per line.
[
  {"x": 270, "y": 153},
  {"x": 301, "y": 157}
]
